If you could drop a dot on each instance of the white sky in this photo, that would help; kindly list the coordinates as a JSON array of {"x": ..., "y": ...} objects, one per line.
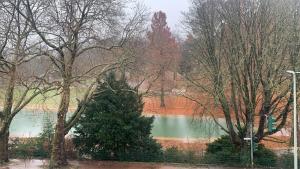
[{"x": 173, "y": 10}]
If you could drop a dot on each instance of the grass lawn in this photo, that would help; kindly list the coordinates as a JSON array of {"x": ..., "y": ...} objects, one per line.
[{"x": 49, "y": 100}]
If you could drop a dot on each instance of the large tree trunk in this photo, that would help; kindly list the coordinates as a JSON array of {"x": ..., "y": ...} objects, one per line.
[
  {"x": 4, "y": 147},
  {"x": 4, "y": 116},
  {"x": 162, "y": 89},
  {"x": 58, "y": 156}
]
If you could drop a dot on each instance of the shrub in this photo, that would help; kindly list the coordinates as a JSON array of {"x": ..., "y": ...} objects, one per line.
[
  {"x": 174, "y": 155},
  {"x": 113, "y": 128},
  {"x": 27, "y": 148},
  {"x": 286, "y": 161},
  {"x": 222, "y": 151},
  {"x": 38, "y": 147},
  {"x": 43, "y": 142},
  {"x": 264, "y": 157}
]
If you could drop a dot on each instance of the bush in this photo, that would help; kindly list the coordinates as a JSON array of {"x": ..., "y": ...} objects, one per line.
[
  {"x": 149, "y": 151},
  {"x": 113, "y": 128},
  {"x": 43, "y": 142},
  {"x": 265, "y": 157},
  {"x": 27, "y": 148},
  {"x": 38, "y": 147},
  {"x": 286, "y": 161},
  {"x": 222, "y": 151},
  {"x": 174, "y": 155}
]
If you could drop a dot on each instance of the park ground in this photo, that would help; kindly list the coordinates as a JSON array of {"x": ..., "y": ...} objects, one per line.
[{"x": 41, "y": 164}]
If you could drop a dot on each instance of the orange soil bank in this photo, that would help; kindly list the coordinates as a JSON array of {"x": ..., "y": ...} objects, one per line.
[{"x": 176, "y": 105}]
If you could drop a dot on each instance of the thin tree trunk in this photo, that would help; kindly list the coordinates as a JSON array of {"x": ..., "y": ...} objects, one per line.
[
  {"x": 162, "y": 89},
  {"x": 58, "y": 156},
  {"x": 4, "y": 147}
]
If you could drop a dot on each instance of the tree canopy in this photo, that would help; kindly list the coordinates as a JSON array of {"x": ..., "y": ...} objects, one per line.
[
  {"x": 242, "y": 50},
  {"x": 113, "y": 128},
  {"x": 164, "y": 51}
]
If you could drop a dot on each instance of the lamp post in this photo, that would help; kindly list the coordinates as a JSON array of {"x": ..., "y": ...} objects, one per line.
[{"x": 295, "y": 118}]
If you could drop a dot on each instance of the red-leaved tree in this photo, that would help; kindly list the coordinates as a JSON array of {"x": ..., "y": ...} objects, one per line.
[{"x": 163, "y": 50}]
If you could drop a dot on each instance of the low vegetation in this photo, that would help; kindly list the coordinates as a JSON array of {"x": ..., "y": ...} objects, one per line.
[
  {"x": 220, "y": 152},
  {"x": 175, "y": 155},
  {"x": 223, "y": 152}
]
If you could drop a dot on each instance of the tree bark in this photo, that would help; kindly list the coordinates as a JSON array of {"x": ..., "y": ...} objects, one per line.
[
  {"x": 4, "y": 147},
  {"x": 4, "y": 116},
  {"x": 162, "y": 89},
  {"x": 58, "y": 156}
]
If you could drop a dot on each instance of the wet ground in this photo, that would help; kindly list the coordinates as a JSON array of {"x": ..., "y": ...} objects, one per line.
[{"x": 42, "y": 164}]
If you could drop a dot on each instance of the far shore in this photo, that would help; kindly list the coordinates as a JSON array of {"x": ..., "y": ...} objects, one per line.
[
  {"x": 175, "y": 106},
  {"x": 53, "y": 110}
]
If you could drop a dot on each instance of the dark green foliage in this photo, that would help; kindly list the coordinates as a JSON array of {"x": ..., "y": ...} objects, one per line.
[
  {"x": 113, "y": 128},
  {"x": 174, "y": 155},
  {"x": 265, "y": 157},
  {"x": 286, "y": 160},
  {"x": 27, "y": 148},
  {"x": 223, "y": 152},
  {"x": 45, "y": 138}
]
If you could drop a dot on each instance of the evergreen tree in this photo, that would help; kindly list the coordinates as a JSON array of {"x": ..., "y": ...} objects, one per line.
[{"x": 113, "y": 128}]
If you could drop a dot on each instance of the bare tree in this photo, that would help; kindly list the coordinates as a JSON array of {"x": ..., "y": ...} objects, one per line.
[
  {"x": 241, "y": 50},
  {"x": 70, "y": 29},
  {"x": 19, "y": 85}
]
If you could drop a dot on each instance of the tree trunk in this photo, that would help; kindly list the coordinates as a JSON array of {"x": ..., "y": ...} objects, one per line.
[
  {"x": 4, "y": 147},
  {"x": 162, "y": 89},
  {"x": 4, "y": 115},
  {"x": 58, "y": 156}
]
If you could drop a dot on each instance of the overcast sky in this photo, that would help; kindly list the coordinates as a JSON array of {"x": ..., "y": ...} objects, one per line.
[{"x": 173, "y": 9}]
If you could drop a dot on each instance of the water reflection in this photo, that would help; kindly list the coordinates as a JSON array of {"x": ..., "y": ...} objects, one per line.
[
  {"x": 30, "y": 124},
  {"x": 186, "y": 127}
]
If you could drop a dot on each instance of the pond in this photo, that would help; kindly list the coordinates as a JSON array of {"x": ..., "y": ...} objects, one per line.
[{"x": 30, "y": 124}]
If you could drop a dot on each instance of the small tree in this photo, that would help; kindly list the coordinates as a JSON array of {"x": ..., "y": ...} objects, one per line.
[
  {"x": 46, "y": 136},
  {"x": 113, "y": 128}
]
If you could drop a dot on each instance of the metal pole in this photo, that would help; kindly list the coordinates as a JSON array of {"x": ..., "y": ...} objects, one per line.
[
  {"x": 295, "y": 123},
  {"x": 295, "y": 118}
]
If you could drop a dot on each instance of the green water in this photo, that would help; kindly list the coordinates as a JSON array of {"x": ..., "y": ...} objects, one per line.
[
  {"x": 186, "y": 127},
  {"x": 30, "y": 124}
]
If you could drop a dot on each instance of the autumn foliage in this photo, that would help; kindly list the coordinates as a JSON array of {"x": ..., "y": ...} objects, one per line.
[{"x": 163, "y": 51}]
